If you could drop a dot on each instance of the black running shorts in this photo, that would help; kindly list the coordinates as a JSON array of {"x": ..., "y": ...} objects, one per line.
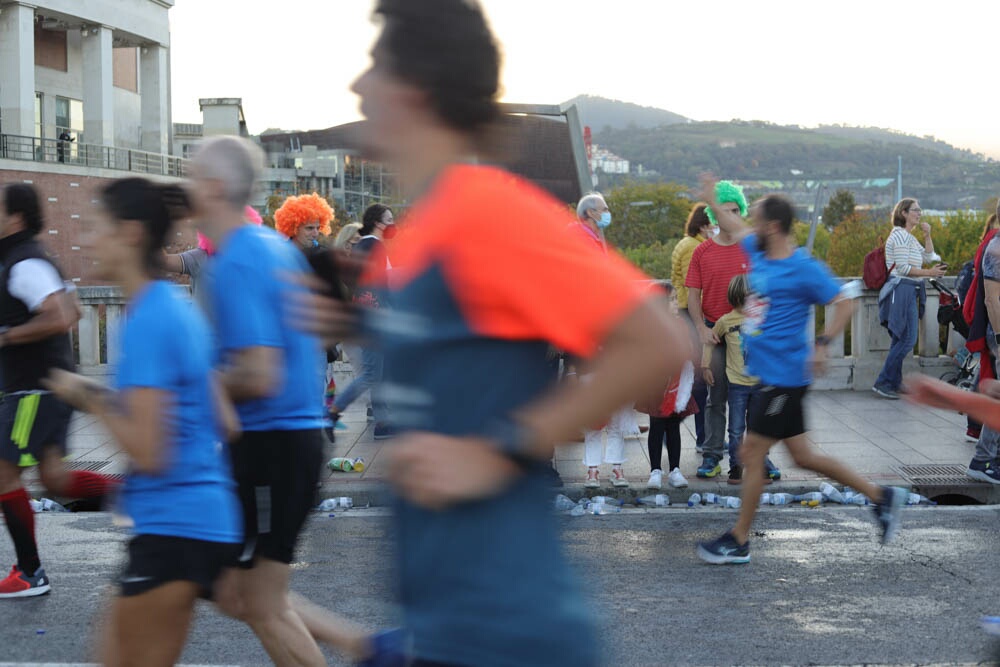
[
  {"x": 154, "y": 560},
  {"x": 31, "y": 422},
  {"x": 777, "y": 412},
  {"x": 276, "y": 475}
]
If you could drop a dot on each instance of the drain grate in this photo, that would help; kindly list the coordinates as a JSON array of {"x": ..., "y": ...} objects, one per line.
[
  {"x": 92, "y": 466},
  {"x": 936, "y": 480}
]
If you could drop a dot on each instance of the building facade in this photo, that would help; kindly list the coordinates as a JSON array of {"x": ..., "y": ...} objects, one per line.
[{"x": 84, "y": 98}]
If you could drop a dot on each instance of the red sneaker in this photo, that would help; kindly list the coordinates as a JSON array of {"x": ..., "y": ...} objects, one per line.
[{"x": 19, "y": 585}]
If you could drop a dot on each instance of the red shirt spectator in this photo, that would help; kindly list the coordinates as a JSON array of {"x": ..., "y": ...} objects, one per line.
[{"x": 712, "y": 267}]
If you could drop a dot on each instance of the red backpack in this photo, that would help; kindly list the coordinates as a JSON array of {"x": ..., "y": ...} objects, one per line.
[{"x": 875, "y": 274}]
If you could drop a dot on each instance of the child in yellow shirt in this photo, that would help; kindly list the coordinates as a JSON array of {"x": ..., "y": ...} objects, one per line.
[{"x": 728, "y": 330}]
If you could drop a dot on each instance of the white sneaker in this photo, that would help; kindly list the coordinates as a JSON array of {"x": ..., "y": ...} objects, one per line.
[
  {"x": 592, "y": 479},
  {"x": 655, "y": 480},
  {"x": 676, "y": 479},
  {"x": 618, "y": 478}
]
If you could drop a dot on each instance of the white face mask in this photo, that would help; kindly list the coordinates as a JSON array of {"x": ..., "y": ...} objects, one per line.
[{"x": 711, "y": 232}]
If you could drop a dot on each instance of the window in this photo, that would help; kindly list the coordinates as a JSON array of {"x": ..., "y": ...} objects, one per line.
[
  {"x": 39, "y": 128},
  {"x": 69, "y": 116}
]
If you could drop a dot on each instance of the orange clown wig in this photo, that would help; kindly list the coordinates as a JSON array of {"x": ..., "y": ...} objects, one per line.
[{"x": 301, "y": 210}]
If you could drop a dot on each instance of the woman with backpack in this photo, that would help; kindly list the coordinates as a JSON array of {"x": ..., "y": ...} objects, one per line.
[{"x": 901, "y": 299}]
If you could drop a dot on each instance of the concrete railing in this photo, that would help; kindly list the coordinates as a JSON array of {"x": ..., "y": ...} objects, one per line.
[{"x": 99, "y": 332}]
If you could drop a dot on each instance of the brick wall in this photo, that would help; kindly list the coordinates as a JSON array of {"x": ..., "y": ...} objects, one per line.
[{"x": 67, "y": 203}]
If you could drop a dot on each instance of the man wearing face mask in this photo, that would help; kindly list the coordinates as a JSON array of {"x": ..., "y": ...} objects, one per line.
[
  {"x": 592, "y": 218},
  {"x": 713, "y": 265}
]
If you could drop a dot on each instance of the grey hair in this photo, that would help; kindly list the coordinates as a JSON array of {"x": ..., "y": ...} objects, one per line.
[
  {"x": 587, "y": 202},
  {"x": 346, "y": 233},
  {"x": 237, "y": 162}
]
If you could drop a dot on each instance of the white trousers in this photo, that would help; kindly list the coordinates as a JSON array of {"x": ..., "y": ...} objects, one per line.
[{"x": 610, "y": 439}]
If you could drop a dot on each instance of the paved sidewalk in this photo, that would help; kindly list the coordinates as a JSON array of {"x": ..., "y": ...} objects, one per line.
[{"x": 875, "y": 436}]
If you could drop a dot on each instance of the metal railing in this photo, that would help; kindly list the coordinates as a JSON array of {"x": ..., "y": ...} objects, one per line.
[{"x": 34, "y": 149}]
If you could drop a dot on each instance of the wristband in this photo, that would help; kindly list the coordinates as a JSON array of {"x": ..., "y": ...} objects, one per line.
[{"x": 822, "y": 340}]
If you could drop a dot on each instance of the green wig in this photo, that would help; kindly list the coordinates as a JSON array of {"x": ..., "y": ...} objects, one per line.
[{"x": 728, "y": 192}]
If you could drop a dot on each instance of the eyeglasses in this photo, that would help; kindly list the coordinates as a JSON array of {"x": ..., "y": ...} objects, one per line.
[{"x": 914, "y": 210}]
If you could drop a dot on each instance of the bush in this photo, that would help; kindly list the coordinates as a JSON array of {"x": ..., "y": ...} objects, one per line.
[{"x": 653, "y": 259}]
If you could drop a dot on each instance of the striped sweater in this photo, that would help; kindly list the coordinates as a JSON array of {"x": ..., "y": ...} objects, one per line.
[{"x": 904, "y": 250}]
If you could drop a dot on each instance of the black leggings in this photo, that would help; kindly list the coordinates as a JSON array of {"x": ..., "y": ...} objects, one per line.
[{"x": 670, "y": 429}]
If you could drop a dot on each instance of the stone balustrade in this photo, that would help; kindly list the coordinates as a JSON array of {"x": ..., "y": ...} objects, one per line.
[{"x": 96, "y": 339}]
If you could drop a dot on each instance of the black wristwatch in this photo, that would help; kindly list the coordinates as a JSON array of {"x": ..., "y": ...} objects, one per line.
[
  {"x": 996, "y": 338},
  {"x": 822, "y": 341}
]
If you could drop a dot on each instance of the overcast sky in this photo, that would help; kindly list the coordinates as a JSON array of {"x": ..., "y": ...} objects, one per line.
[{"x": 915, "y": 66}]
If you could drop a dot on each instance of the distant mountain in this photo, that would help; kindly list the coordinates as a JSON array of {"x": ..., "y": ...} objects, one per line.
[
  {"x": 600, "y": 113},
  {"x": 787, "y": 157}
]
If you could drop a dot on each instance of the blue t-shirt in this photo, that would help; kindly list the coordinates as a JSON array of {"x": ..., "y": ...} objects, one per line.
[
  {"x": 250, "y": 285},
  {"x": 166, "y": 345},
  {"x": 782, "y": 291}
]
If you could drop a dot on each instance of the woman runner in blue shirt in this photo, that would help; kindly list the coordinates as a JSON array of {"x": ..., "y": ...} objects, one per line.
[{"x": 167, "y": 416}]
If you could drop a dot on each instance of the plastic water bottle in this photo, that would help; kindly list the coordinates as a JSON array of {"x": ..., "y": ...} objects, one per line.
[
  {"x": 917, "y": 499},
  {"x": 711, "y": 499},
  {"x": 36, "y": 505},
  {"x": 810, "y": 497},
  {"x": 765, "y": 499},
  {"x": 659, "y": 500},
  {"x": 578, "y": 510},
  {"x": 782, "y": 498},
  {"x": 830, "y": 493},
  {"x": 605, "y": 505},
  {"x": 694, "y": 499},
  {"x": 52, "y": 506},
  {"x": 855, "y": 498},
  {"x": 340, "y": 464},
  {"x": 731, "y": 502},
  {"x": 358, "y": 464},
  {"x": 328, "y": 505},
  {"x": 563, "y": 503}
]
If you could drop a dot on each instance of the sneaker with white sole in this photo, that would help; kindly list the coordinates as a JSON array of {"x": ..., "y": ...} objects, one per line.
[
  {"x": 676, "y": 479},
  {"x": 593, "y": 480},
  {"x": 618, "y": 477},
  {"x": 19, "y": 585},
  {"x": 655, "y": 480},
  {"x": 984, "y": 471},
  {"x": 724, "y": 550}
]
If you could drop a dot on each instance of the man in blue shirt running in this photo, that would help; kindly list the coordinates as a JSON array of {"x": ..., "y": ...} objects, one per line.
[{"x": 785, "y": 283}]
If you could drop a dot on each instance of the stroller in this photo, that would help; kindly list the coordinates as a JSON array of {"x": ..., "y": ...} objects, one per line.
[{"x": 950, "y": 312}]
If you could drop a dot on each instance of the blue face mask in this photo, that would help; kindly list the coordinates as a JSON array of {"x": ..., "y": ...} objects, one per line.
[{"x": 605, "y": 220}]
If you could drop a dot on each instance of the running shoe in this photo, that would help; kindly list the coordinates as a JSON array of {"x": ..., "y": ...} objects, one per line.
[
  {"x": 655, "y": 479},
  {"x": 984, "y": 470},
  {"x": 676, "y": 479},
  {"x": 771, "y": 471},
  {"x": 19, "y": 585},
  {"x": 618, "y": 477},
  {"x": 888, "y": 511},
  {"x": 709, "y": 467},
  {"x": 724, "y": 550},
  {"x": 886, "y": 393},
  {"x": 390, "y": 648},
  {"x": 593, "y": 480}
]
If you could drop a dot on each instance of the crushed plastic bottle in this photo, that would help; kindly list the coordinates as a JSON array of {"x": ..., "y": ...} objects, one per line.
[
  {"x": 694, "y": 499},
  {"x": 36, "y": 505},
  {"x": 563, "y": 503},
  {"x": 855, "y": 498},
  {"x": 46, "y": 505},
  {"x": 806, "y": 498},
  {"x": 330, "y": 504},
  {"x": 765, "y": 499},
  {"x": 782, "y": 498},
  {"x": 578, "y": 510},
  {"x": 917, "y": 499},
  {"x": 340, "y": 464},
  {"x": 358, "y": 465},
  {"x": 605, "y": 505},
  {"x": 831, "y": 494},
  {"x": 659, "y": 500},
  {"x": 722, "y": 501}
]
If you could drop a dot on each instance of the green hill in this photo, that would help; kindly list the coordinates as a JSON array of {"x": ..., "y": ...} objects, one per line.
[
  {"x": 600, "y": 113},
  {"x": 941, "y": 176}
]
